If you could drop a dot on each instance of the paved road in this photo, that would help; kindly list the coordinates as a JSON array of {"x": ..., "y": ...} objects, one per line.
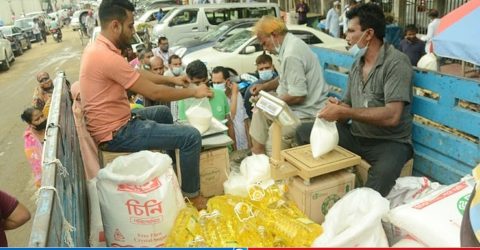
[{"x": 16, "y": 89}]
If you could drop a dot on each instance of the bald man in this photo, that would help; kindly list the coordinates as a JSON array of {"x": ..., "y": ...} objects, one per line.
[
  {"x": 43, "y": 92},
  {"x": 156, "y": 65}
]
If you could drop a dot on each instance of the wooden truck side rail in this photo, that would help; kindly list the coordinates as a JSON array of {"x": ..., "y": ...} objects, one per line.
[{"x": 446, "y": 128}]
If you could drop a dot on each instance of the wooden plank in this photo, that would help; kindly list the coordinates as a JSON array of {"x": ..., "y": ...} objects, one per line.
[
  {"x": 335, "y": 57},
  {"x": 437, "y": 166},
  {"x": 451, "y": 117},
  {"x": 447, "y": 144}
]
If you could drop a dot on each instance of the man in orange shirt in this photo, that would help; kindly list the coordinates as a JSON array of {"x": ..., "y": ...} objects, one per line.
[{"x": 105, "y": 77}]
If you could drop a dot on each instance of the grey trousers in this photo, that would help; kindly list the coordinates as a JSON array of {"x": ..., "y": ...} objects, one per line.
[{"x": 386, "y": 157}]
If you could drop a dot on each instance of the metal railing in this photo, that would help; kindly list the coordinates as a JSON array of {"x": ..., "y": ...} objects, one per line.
[{"x": 61, "y": 217}]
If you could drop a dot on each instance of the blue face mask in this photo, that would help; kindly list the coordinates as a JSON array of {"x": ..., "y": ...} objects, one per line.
[
  {"x": 266, "y": 74},
  {"x": 220, "y": 86},
  {"x": 276, "y": 46},
  {"x": 356, "y": 51},
  {"x": 177, "y": 71}
]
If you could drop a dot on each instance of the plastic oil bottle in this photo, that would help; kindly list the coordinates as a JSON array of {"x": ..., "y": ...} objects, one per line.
[
  {"x": 186, "y": 231},
  {"x": 217, "y": 231},
  {"x": 248, "y": 233}
]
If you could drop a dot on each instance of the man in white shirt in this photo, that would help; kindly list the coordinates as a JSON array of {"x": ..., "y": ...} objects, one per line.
[
  {"x": 333, "y": 23},
  {"x": 432, "y": 28},
  {"x": 163, "y": 51}
]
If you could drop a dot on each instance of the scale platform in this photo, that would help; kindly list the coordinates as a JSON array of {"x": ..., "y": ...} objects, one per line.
[{"x": 299, "y": 161}]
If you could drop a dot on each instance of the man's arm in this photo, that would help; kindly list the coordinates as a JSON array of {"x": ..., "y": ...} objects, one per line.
[
  {"x": 162, "y": 93},
  {"x": 266, "y": 86},
  {"x": 164, "y": 80},
  {"x": 18, "y": 217},
  {"x": 292, "y": 100},
  {"x": 387, "y": 116}
]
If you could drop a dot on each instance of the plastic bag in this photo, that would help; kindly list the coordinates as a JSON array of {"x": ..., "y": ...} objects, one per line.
[
  {"x": 97, "y": 235},
  {"x": 199, "y": 113},
  {"x": 428, "y": 61},
  {"x": 139, "y": 199},
  {"x": 255, "y": 168},
  {"x": 355, "y": 221},
  {"x": 410, "y": 188},
  {"x": 324, "y": 137}
]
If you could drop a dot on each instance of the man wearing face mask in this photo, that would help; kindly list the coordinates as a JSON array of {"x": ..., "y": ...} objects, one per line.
[
  {"x": 163, "y": 50},
  {"x": 301, "y": 84},
  {"x": 43, "y": 92},
  {"x": 413, "y": 47},
  {"x": 224, "y": 80},
  {"x": 105, "y": 77},
  {"x": 175, "y": 66},
  {"x": 377, "y": 101},
  {"x": 268, "y": 81}
]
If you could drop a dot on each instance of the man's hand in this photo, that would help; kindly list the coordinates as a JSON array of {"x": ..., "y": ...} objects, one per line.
[
  {"x": 332, "y": 111},
  {"x": 203, "y": 91},
  {"x": 255, "y": 89},
  {"x": 181, "y": 81}
]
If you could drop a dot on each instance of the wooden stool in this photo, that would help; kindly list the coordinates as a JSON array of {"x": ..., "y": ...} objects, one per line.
[{"x": 362, "y": 170}]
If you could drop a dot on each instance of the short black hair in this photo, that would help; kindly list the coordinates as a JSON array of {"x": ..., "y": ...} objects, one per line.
[
  {"x": 170, "y": 58},
  {"x": 162, "y": 38},
  {"x": 197, "y": 69},
  {"x": 370, "y": 16},
  {"x": 110, "y": 10},
  {"x": 263, "y": 58},
  {"x": 433, "y": 13},
  {"x": 223, "y": 70},
  {"x": 411, "y": 27},
  {"x": 28, "y": 114}
]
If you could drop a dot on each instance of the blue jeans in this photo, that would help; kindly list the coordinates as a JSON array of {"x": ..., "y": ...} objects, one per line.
[{"x": 153, "y": 129}]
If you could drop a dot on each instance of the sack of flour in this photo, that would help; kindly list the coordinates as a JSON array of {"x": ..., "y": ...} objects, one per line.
[
  {"x": 323, "y": 138},
  {"x": 139, "y": 199}
]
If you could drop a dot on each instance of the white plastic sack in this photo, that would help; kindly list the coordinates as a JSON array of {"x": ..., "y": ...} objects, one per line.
[
  {"x": 355, "y": 221},
  {"x": 199, "y": 113},
  {"x": 139, "y": 199},
  {"x": 236, "y": 184},
  {"x": 324, "y": 137},
  {"x": 408, "y": 241},
  {"x": 255, "y": 168},
  {"x": 428, "y": 61},
  {"x": 97, "y": 236},
  {"x": 436, "y": 218},
  {"x": 410, "y": 188}
]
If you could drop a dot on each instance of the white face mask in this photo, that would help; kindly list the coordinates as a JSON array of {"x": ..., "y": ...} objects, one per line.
[
  {"x": 266, "y": 74},
  {"x": 356, "y": 51},
  {"x": 276, "y": 46},
  {"x": 220, "y": 86}
]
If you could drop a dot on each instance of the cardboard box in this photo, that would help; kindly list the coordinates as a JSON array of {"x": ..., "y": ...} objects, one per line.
[
  {"x": 317, "y": 198},
  {"x": 362, "y": 170},
  {"x": 214, "y": 169}
]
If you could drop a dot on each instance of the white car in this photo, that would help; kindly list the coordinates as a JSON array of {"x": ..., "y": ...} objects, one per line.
[
  {"x": 240, "y": 50},
  {"x": 137, "y": 43},
  {"x": 150, "y": 17},
  {"x": 6, "y": 53}
]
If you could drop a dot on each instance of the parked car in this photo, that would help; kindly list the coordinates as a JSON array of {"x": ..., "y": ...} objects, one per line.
[
  {"x": 17, "y": 38},
  {"x": 240, "y": 50},
  {"x": 6, "y": 53},
  {"x": 141, "y": 8},
  {"x": 216, "y": 34},
  {"x": 136, "y": 43},
  {"x": 150, "y": 17},
  {"x": 26, "y": 24},
  {"x": 78, "y": 18},
  {"x": 195, "y": 20}
]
